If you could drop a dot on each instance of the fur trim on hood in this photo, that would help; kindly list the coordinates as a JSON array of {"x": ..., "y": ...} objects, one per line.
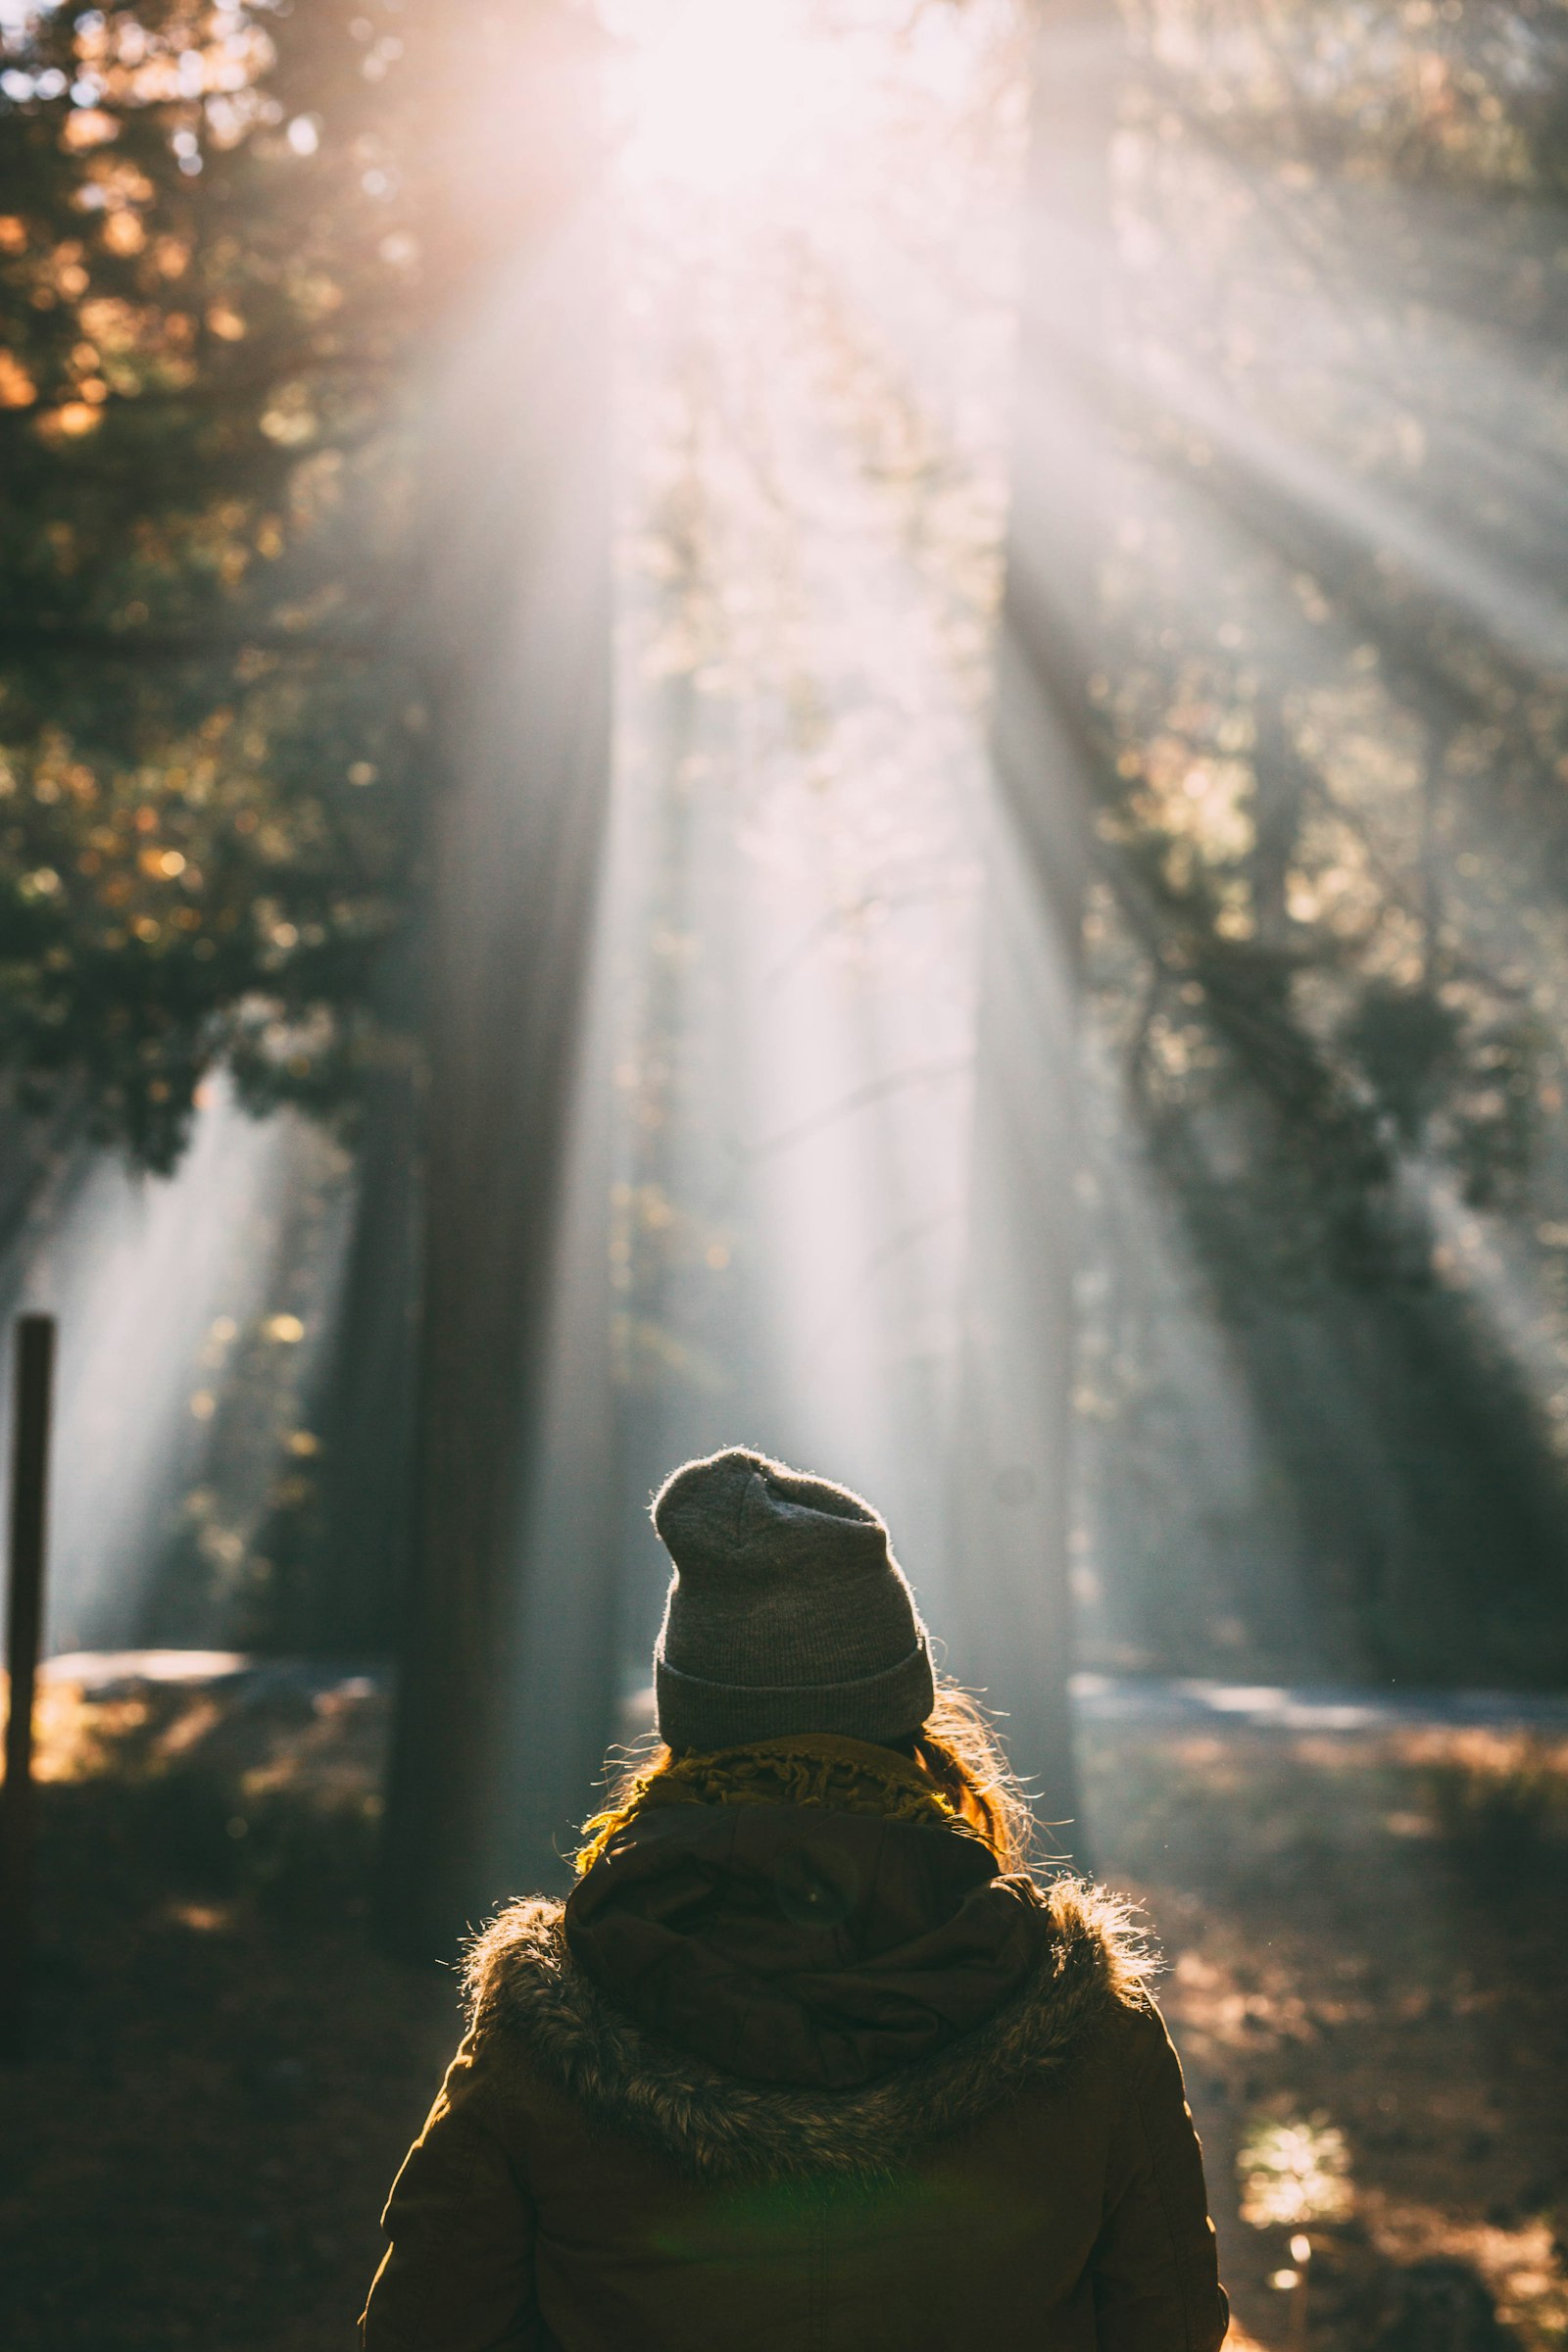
[{"x": 527, "y": 1995}]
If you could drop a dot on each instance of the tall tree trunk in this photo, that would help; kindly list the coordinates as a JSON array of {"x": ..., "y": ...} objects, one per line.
[
  {"x": 367, "y": 1405},
  {"x": 518, "y": 646},
  {"x": 1011, "y": 1610}
]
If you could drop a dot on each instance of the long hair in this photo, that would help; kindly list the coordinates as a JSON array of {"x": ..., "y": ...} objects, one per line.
[
  {"x": 956, "y": 1747},
  {"x": 960, "y": 1747}
]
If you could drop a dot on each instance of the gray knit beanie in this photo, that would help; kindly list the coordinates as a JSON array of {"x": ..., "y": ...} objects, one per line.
[{"x": 787, "y": 1611}]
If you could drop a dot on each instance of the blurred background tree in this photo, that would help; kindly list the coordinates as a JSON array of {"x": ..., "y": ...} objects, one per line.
[
  {"x": 278, "y": 285},
  {"x": 1327, "y": 928},
  {"x": 214, "y": 726},
  {"x": 302, "y": 382},
  {"x": 212, "y": 730}
]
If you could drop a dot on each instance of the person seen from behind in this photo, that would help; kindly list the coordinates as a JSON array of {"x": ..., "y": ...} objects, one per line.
[{"x": 808, "y": 2061}]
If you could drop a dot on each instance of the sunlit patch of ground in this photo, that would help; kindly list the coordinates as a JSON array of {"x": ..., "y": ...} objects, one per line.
[{"x": 1363, "y": 1937}]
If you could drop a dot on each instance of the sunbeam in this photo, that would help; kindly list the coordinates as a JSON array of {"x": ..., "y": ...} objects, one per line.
[
  {"x": 827, "y": 732},
  {"x": 195, "y": 1312},
  {"x": 815, "y": 412}
]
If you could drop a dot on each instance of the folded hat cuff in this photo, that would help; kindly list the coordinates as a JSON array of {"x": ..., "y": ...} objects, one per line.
[{"x": 695, "y": 1713}]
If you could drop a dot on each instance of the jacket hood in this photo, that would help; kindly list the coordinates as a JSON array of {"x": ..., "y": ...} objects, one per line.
[
  {"x": 799, "y": 1945},
  {"x": 934, "y": 2016}
]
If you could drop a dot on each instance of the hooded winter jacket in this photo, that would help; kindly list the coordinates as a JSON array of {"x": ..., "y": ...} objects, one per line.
[{"x": 784, "y": 2077}]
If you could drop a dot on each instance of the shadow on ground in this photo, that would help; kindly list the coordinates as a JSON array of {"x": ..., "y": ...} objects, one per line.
[{"x": 1363, "y": 1936}]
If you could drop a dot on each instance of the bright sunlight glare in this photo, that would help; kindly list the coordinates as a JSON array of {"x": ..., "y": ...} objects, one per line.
[
  {"x": 720, "y": 95},
  {"x": 818, "y": 215}
]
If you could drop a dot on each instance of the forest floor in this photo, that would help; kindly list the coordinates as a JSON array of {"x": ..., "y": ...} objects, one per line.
[{"x": 1363, "y": 1935}]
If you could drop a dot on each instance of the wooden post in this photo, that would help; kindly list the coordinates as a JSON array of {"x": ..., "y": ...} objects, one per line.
[{"x": 29, "y": 1470}]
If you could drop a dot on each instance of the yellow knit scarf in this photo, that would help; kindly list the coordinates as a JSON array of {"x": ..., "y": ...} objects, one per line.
[{"x": 847, "y": 1776}]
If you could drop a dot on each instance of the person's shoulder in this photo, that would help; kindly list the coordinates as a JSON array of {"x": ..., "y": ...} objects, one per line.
[
  {"x": 1099, "y": 1942},
  {"x": 532, "y": 2020},
  {"x": 509, "y": 1963},
  {"x": 1097, "y": 1986},
  {"x": 527, "y": 2001}
]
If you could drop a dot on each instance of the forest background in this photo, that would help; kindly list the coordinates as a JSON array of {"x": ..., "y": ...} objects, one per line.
[
  {"x": 309, "y": 627},
  {"x": 1323, "y": 723}
]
